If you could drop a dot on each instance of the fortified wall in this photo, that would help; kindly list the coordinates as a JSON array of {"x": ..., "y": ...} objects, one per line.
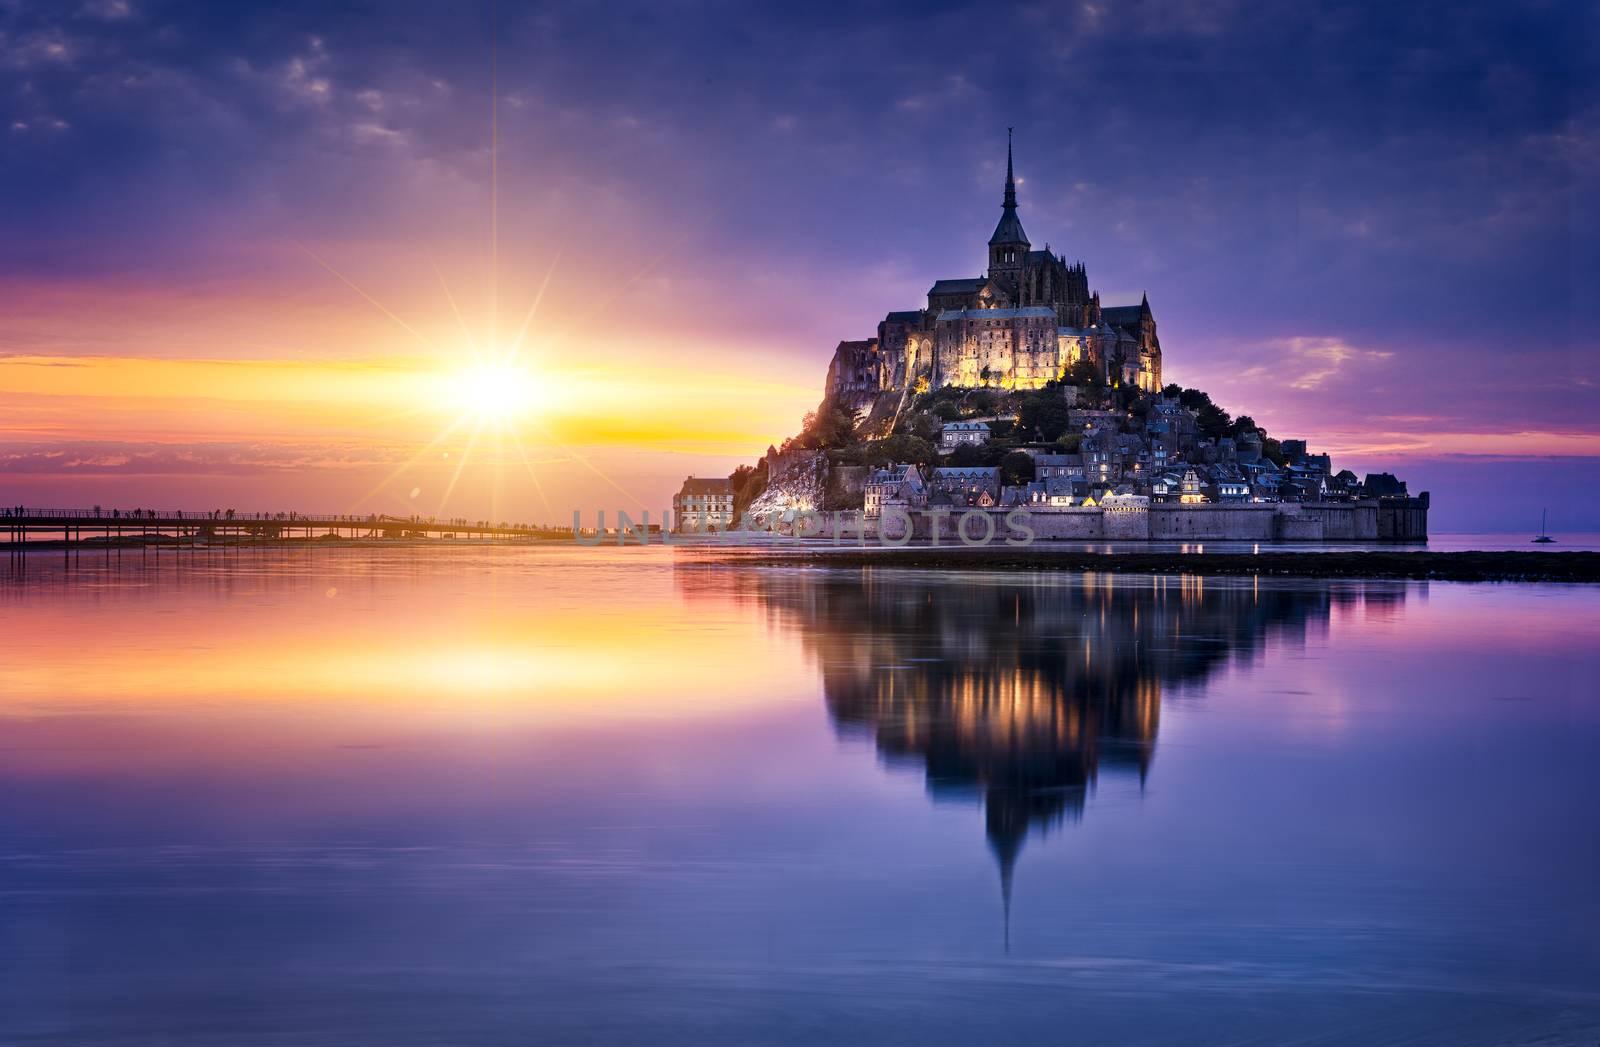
[{"x": 1370, "y": 520}]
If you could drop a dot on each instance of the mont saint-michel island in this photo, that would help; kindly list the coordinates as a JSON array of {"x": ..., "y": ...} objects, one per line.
[
  {"x": 1134, "y": 585},
  {"x": 1019, "y": 389}
]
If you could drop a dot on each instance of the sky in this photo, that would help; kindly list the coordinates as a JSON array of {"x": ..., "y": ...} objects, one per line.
[{"x": 256, "y": 255}]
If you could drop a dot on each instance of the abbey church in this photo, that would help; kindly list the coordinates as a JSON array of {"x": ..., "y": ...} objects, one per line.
[{"x": 1029, "y": 320}]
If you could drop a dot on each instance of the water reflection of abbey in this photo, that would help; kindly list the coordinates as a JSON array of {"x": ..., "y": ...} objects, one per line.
[{"x": 1021, "y": 690}]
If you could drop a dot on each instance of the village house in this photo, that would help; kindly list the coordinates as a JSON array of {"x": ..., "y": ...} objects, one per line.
[
  {"x": 1383, "y": 485},
  {"x": 958, "y": 434},
  {"x": 962, "y": 484},
  {"x": 1051, "y": 466},
  {"x": 893, "y": 486},
  {"x": 703, "y": 505}
]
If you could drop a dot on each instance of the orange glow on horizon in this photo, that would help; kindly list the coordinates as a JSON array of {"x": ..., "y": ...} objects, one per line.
[
  {"x": 532, "y": 658},
  {"x": 395, "y": 400}
]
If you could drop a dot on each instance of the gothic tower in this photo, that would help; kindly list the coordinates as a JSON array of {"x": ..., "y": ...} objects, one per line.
[{"x": 1008, "y": 247}]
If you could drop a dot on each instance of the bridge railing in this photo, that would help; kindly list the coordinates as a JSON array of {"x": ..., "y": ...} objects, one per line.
[
  {"x": 100, "y": 512},
  {"x": 117, "y": 514}
]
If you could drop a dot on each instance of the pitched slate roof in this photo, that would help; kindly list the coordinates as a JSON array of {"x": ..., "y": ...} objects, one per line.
[
  {"x": 896, "y": 472},
  {"x": 1009, "y": 229},
  {"x": 968, "y": 472},
  {"x": 1123, "y": 315},
  {"x": 905, "y": 316},
  {"x": 972, "y": 286},
  {"x": 696, "y": 486},
  {"x": 1056, "y": 486}
]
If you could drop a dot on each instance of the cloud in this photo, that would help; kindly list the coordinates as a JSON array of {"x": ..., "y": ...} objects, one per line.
[
  {"x": 30, "y": 53},
  {"x": 109, "y": 10},
  {"x": 947, "y": 93},
  {"x": 1302, "y": 363},
  {"x": 1414, "y": 197},
  {"x": 1314, "y": 361},
  {"x": 114, "y": 458}
]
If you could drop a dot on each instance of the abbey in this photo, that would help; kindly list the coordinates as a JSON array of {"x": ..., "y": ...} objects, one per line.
[{"x": 1029, "y": 320}]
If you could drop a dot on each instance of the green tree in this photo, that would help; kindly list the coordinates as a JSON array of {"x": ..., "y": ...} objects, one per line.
[
  {"x": 751, "y": 487},
  {"x": 1213, "y": 421},
  {"x": 985, "y": 401},
  {"x": 924, "y": 424},
  {"x": 828, "y": 426},
  {"x": 1092, "y": 396},
  {"x": 1115, "y": 367},
  {"x": 1045, "y": 417},
  {"x": 967, "y": 455},
  {"x": 901, "y": 447},
  {"x": 1016, "y": 468}
]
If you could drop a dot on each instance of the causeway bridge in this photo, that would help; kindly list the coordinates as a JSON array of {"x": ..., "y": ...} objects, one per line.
[{"x": 21, "y": 526}]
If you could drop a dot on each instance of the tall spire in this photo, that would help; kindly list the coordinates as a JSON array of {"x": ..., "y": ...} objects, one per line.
[
  {"x": 1009, "y": 232},
  {"x": 1011, "y": 182}
]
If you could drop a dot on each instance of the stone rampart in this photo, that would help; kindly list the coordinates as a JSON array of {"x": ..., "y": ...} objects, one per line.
[
  {"x": 1388, "y": 519},
  {"x": 1184, "y": 523}
]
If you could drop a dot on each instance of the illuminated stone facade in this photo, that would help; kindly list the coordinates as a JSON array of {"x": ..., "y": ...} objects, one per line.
[{"x": 1028, "y": 321}]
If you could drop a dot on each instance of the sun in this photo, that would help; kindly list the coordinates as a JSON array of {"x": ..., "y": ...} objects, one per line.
[{"x": 496, "y": 391}]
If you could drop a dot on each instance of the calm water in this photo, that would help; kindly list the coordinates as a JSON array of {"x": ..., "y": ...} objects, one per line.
[{"x": 485, "y": 796}]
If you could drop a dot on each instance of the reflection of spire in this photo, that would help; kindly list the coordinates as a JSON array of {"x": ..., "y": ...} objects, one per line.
[
  {"x": 1022, "y": 694},
  {"x": 1006, "y": 870},
  {"x": 1007, "y": 830}
]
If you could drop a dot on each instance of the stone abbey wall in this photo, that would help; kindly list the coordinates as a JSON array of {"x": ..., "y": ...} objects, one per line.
[
  {"x": 1184, "y": 523},
  {"x": 1342, "y": 522},
  {"x": 1385, "y": 519},
  {"x": 1403, "y": 519},
  {"x": 1008, "y": 348}
]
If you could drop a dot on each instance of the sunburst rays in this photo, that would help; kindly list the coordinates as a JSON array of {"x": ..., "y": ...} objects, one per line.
[{"x": 495, "y": 435}]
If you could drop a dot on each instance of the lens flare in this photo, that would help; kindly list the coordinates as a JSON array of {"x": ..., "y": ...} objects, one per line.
[{"x": 496, "y": 392}]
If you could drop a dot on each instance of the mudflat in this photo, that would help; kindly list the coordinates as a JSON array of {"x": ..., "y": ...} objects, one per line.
[{"x": 1398, "y": 563}]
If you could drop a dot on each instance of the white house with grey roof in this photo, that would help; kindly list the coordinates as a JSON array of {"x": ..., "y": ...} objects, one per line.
[
  {"x": 957, "y": 434},
  {"x": 703, "y": 504}
]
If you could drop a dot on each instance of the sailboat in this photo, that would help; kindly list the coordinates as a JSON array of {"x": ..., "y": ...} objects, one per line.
[{"x": 1542, "y": 538}]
